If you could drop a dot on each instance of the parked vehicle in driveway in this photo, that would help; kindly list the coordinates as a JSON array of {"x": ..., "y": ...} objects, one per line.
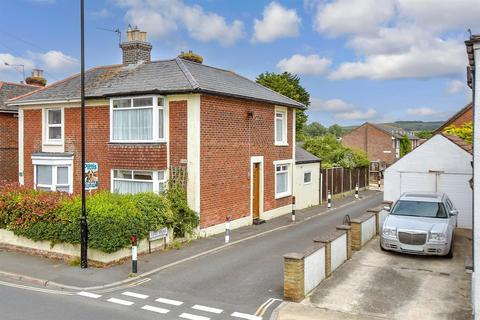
[{"x": 420, "y": 223}]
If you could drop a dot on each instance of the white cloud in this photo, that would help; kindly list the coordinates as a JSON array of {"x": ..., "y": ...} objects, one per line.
[
  {"x": 278, "y": 22},
  {"x": 422, "y": 112},
  {"x": 161, "y": 18},
  {"x": 13, "y": 60},
  {"x": 352, "y": 16},
  {"x": 456, "y": 86},
  {"x": 441, "y": 58},
  {"x": 54, "y": 61},
  {"x": 357, "y": 115},
  {"x": 102, "y": 13},
  {"x": 332, "y": 105},
  {"x": 304, "y": 65}
]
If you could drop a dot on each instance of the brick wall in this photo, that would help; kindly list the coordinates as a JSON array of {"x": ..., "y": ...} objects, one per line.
[
  {"x": 178, "y": 132},
  {"x": 228, "y": 140},
  {"x": 107, "y": 155},
  {"x": 8, "y": 147},
  {"x": 464, "y": 118},
  {"x": 373, "y": 141}
]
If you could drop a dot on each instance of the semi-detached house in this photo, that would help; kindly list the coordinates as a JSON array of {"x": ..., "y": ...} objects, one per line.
[{"x": 234, "y": 138}]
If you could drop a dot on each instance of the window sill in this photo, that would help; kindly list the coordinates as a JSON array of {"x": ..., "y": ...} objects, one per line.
[
  {"x": 281, "y": 144},
  {"x": 282, "y": 195},
  {"x": 53, "y": 143},
  {"x": 137, "y": 142},
  {"x": 307, "y": 183}
]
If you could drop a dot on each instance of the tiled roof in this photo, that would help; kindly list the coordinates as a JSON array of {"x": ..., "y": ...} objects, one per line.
[
  {"x": 303, "y": 156},
  {"x": 9, "y": 90},
  {"x": 459, "y": 142},
  {"x": 395, "y": 131},
  {"x": 158, "y": 77}
]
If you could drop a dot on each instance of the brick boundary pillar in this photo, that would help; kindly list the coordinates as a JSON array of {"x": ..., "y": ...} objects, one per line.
[
  {"x": 356, "y": 234},
  {"x": 348, "y": 230},
  {"x": 293, "y": 277}
]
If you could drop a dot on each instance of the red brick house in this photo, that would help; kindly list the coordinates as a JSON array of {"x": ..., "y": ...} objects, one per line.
[
  {"x": 147, "y": 119},
  {"x": 9, "y": 129},
  {"x": 458, "y": 119},
  {"x": 380, "y": 142}
]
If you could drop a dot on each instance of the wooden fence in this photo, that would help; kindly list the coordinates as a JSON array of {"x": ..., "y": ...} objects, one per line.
[{"x": 339, "y": 180}]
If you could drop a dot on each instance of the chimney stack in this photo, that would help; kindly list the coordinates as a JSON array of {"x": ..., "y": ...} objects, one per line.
[
  {"x": 36, "y": 79},
  {"x": 136, "y": 49}
]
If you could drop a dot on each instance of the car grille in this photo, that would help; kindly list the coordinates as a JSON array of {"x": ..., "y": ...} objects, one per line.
[{"x": 412, "y": 238}]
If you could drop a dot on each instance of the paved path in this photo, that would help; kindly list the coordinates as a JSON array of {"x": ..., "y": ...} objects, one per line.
[{"x": 233, "y": 283}]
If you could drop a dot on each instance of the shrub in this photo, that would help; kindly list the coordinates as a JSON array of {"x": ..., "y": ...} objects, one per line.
[{"x": 112, "y": 218}]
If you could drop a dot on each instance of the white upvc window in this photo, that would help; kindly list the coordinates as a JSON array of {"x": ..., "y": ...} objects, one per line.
[
  {"x": 307, "y": 177},
  {"x": 54, "y": 174},
  {"x": 138, "y": 119},
  {"x": 283, "y": 178},
  {"x": 281, "y": 126},
  {"x": 53, "y": 125},
  {"x": 136, "y": 181}
]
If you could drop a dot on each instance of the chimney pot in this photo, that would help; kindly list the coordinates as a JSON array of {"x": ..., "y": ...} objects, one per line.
[
  {"x": 36, "y": 78},
  {"x": 136, "y": 49}
]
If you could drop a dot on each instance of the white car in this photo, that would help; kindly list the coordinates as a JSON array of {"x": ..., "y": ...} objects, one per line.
[{"x": 420, "y": 223}]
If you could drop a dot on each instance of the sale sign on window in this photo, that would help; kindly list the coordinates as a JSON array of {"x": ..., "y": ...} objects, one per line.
[{"x": 91, "y": 175}]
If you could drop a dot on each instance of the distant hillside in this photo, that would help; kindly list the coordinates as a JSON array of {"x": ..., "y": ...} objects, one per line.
[{"x": 410, "y": 125}]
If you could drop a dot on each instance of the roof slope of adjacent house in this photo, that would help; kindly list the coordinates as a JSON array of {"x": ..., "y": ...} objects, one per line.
[
  {"x": 9, "y": 90},
  {"x": 389, "y": 129},
  {"x": 457, "y": 115},
  {"x": 157, "y": 77},
  {"x": 302, "y": 156}
]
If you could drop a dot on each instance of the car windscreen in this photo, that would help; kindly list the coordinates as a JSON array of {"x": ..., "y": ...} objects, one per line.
[{"x": 419, "y": 209}]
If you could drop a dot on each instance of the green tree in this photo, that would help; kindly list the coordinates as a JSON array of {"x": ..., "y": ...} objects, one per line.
[
  {"x": 425, "y": 134},
  {"x": 289, "y": 85},
  {"x": 315, "y": 129},
  {"x": 465, "y": 131},
  {"x": 405, "y": 145},
  {"x": 336, "y": 130}
]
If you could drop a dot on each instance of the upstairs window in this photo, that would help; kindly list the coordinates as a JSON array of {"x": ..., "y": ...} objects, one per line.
[
  {"x": 139, "y": 119},
  {"x": 54, "y": 124},
  {"x": 281, "y": 126}
]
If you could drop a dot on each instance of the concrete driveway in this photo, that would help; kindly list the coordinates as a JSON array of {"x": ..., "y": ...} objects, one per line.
[{"x": 385, "y": 285}]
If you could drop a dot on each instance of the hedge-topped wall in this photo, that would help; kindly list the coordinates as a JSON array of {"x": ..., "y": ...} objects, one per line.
[{"x": 112, "y": 218}]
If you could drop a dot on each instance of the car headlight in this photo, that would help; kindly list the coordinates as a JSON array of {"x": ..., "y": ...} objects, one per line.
[
  {"x": 438, "y": 236},
  {"x": 390, "y": 232}
]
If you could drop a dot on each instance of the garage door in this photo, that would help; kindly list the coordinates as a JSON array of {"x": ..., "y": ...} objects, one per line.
[
  {"x": 416, "y": 181},
  {"x": 457, "y": 187}
]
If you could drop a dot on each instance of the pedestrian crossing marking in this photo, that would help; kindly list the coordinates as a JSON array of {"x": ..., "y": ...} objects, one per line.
[{"x": 169, "y": 301}]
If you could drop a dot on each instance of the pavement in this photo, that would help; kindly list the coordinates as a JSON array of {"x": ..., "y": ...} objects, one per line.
[
  {"x": 386, "y": 285},
  {"x": 204, "y": 280}
]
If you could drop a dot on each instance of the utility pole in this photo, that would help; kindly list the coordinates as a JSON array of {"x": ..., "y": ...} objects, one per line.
[{"x": 83, "y": 222}]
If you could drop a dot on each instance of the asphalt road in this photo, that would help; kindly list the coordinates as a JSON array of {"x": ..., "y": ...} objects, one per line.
[{"x": 229, "y": 284}]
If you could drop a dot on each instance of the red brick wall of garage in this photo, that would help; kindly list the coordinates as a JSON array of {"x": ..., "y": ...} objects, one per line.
[
  {"x": 8, "y": 147},
  {"x": 99, "y": 149},
  {"x": 228, "y": 140},
  {"x": 373, "y": 141}
]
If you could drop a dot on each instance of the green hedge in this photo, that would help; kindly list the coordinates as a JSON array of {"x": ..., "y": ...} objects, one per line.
[{"x": 112, "y": 218}]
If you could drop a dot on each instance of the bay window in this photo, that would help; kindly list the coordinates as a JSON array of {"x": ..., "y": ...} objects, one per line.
[
  {"x": 136, "y": 181},
  {"x": 53, "y": 178},
  {"x": 139, "y": 119}
]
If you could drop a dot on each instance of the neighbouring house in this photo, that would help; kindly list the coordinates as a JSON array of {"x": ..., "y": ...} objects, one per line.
[
  {"x": 306, "y": 188},
  {"x": 458, "y": 119},
  {"x": 231, "y": 140},
  {"x": 473, "y": 81},
  {"x": 9, "y": 129},
  {"x": 440, "y": 164},
  {"x": 380, "y": 142}
]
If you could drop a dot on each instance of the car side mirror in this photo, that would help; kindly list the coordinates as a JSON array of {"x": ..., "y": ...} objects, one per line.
[
  {"x": 453, "y": 212},
  {"x": 386, "y": 208}
]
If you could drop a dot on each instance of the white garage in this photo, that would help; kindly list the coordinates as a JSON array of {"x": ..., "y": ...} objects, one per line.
[
  {"x": 306, "y": 187},
  {"x": 441, "y": 164}
]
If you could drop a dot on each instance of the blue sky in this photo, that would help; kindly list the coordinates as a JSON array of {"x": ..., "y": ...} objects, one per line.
[{"x": 361, "y": 60}]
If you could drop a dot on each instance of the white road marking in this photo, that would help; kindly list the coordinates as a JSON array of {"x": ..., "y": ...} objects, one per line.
[
  {"x": 135, "y": 295},
  {"x": 207, "y": 309},
  {"x": 168, "y": 301},
  {"x": 120, "y": 301},
  {"x": 245, "y": 316},
  {"x": 192, "y": 316},
  {"x": 89, "y": 295},
  {"x": 155, "y": 309}
]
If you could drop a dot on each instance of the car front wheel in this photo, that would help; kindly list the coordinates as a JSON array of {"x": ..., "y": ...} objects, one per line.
[{"x": 449, "y": 255}]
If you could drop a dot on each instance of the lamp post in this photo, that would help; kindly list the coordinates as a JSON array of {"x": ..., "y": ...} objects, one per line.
[{"x": 83, "y": 221}]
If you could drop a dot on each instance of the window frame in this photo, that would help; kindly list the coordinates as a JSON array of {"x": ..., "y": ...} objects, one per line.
[
  {"x": 289, "y": 164},
  {"x": 284, "y": 112},
  {"x": 55, "y": 163},
  {"x": 156, "y": 181},
  {"x": 155, "y": 118},
  {"x": 47, "y": 126},
  {"x": 311, "y": 177}
]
